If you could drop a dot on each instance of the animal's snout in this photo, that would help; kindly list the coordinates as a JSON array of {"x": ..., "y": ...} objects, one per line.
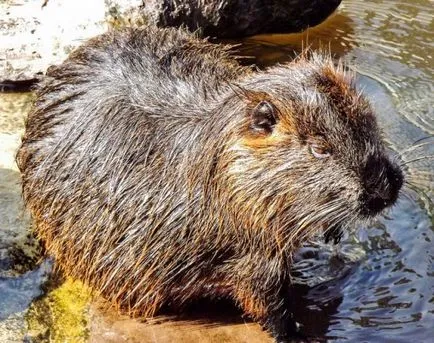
[{"x": 383, "y": 180}]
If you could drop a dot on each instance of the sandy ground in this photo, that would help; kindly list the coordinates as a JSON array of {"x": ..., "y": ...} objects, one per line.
[{"x": 110, "y": 327}]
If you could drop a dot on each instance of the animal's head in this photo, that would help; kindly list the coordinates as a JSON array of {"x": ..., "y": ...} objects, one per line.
[{"x": 308, "y": 152}]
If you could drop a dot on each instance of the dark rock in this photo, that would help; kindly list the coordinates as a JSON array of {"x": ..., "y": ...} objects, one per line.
[{"x": 236, "y": 18}]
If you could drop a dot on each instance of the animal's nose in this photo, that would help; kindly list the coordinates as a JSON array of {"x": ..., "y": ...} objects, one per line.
[
  {"x": 382, "y": 187},
  {"x": 396, "y": 179}
]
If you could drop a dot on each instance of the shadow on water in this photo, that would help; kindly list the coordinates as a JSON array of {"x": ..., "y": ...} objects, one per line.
[{"x": 267, "y": 50}]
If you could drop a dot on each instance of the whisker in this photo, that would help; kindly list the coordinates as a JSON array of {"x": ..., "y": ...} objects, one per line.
[
  {"x": 429, "y": 157},
  {"x": 411, "y": 148},
  {"x": 404, "y": 194},
  {"x": 308, "y": 225},
  {"x": 421, "y": 139},
  {"x": 419, "y": 192}
]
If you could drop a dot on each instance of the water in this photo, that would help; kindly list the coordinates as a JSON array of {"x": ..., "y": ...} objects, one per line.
[{"x": 378, "y": 285}]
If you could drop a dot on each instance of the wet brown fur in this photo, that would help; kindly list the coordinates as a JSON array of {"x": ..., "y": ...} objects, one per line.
[{"x": 145, "y": 179}]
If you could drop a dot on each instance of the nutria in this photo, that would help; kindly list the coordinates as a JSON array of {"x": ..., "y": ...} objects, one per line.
[{"x": 154, "y": 165}]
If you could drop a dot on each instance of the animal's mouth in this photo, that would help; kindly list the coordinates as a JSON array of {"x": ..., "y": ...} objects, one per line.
[
  {"x": 373, "y": 206},
  {"x": 333, "y": 232}
]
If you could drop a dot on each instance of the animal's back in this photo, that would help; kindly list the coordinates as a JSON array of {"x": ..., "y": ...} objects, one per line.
[
  {"x": 135, "y": 88},
  {"x": 160, "y": 73},
  {"x": 109, "y": 127}
]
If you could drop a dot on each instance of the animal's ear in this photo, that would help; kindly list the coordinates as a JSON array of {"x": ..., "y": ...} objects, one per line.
[{"x": 263, "y": 117}]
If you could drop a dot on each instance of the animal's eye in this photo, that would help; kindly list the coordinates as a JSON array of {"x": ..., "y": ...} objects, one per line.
[
  {"x": 263, "y": 117},
  {"x": 319, "y": 151}
]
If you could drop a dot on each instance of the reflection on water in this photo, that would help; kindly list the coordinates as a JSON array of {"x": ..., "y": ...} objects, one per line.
[{"x": 378, "y": 285}]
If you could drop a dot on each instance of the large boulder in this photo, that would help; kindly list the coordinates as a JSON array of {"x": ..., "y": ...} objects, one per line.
[
  {"x": 35, "y": 34},
  {"x": 236, "y": 18}
]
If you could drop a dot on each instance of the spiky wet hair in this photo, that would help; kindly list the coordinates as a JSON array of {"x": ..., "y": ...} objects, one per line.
[{"x": 155, "y": 166}]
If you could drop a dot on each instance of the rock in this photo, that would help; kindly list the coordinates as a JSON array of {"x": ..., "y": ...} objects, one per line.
[
  {"x": 18, "y": 250},
  {"x": 21, "y": 273},
  {"x": 237, "y": 18},
  {"x": 38, "y": 33}
]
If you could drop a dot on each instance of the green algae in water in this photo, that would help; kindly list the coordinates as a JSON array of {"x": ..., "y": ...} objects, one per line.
[{"x": 61, "y": 315}]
